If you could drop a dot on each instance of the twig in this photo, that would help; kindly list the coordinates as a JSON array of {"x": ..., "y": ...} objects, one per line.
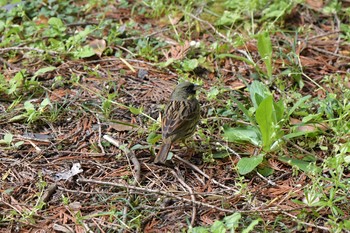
[
  {"x": 125, "y": 186},
  {"x": 327, "y": 52},
  {"x": 130, "y": 155},
  {"x": 305, "y": 223},
  {"x": 168, "y": 194},
  {"x": 29, "y": 49},
  {"x": 323, "y": 35},
  {"x": 99, "y": 134},
  {"x": 270, "y": 182},
  {"x": 193, "y": 198},
  {"x": 194, "y": 167},
  {"x": 136, "y": 172},
  {"x": 229, "y": 149}
]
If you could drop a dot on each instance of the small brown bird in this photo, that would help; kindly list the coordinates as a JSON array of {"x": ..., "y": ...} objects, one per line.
[{"x": 180, "y": 118}]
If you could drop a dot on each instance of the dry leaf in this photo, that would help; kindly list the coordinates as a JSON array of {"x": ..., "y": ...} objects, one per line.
[
  {"x": 316, "y": 4},
  {"x": 121, "y": 127},
  {"x": 98, "y": 46}
]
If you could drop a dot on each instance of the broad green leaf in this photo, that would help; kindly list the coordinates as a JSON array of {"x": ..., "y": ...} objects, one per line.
[
  {"x": 212, "y": 93},
  {"x": 79, "y": 37},
  {"x": 228, "y": 18},
  {"x": 218, "y": 227},
  {"x": 347, "y": 224},
  {"x": 265, "y": 51},
  {"x": 296, "y": 134},
  {"x": 44, "y": 103},
  {"x": 57, "y": 23},
  {"x": 264, "y": 118},
  {"x": 189, "y": 65},
  {"x": 232, "y": 220},
  {"x": 243, "y": 134},
  {"x": 84, "y": 52},
  {"x": 29, "y": 107},
  {"x": 258, "y": 92},
  {"x": 301, "y": 164},
  {"x": 198, "y": 230},
  {"x": 279, "y": 110},
  {"x": 44, "y": 70},
  {"x": 8, "y": 138},
  {"x": 347, "y": 159},
  {"x": 246, "y": 165}
]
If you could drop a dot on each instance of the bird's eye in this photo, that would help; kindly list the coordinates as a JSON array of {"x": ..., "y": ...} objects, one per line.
[{"x": 190, "y": 89}]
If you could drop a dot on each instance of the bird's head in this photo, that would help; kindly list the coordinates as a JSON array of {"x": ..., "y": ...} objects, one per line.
[{"x": 184, "y": 91}]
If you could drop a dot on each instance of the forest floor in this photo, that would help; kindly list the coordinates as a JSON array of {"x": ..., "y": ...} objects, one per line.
[{"x": 82, "y": 87}]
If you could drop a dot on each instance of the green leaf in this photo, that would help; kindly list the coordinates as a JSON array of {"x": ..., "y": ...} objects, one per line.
[
  {"x": 84, "y": 52},
  {"x": 296, "y": 134},
  {"x": 246, "y": 165},
  {"x": 231, "y": 221},
  {"x": 44, "y": 103},
  {"x": 279, "y": 110},
  {"x": 57, "y": 23},
  {"x": 18, "y": 118},
  {"x": 298, "y": 103},
  {"x": 347, "y": 224},
  {"x": 301, "y": 164},
  {"x": 264, "y": 118},
  {"x": 44, "y": 70},
  {"x": 16, "y": 82},
  {"x": 347, "y": 159},
  {"x": 29, "y": 107},
  {"x": 252, "y": 225},
  {"x": 258, "y": 92},
  {"x": 228, "y": 18},
  {"x": 153, "y": 138},
  {"x": 244, "y": 110},
  {"x": 198, "y": 230},
  {"x": 212, "y": 93},
  {"x": 220, "y": 155},
  {"x": 189, "y": 65},
  {"x": 265, "y": 51},
  {"x": 243, "y": 134},
  {"x": 265, "y": 171},
  {"x": 8, "y": 138},
  {"x": 134, "y": 110},
  {"x": 218, "y": 227},
  {"x": 167, "y": 63},
  {"x": 18, "y": 144},
  {"x": 138, "y": 147}
]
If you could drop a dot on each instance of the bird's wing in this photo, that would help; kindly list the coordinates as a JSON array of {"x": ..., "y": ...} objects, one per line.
[{"x": 178, "y": 116}]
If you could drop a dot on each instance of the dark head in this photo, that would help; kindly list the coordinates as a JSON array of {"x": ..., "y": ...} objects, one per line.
[{"x": 184, "y": 91}]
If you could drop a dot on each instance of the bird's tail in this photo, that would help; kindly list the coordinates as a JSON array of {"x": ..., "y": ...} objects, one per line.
[{"x": 163, "y": 153}]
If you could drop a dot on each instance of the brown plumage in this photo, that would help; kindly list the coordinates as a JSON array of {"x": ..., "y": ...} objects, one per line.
[{"x": 180, "y": 118}]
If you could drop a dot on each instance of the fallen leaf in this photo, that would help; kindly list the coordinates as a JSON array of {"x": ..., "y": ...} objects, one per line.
[
  {"x": 315, "y": 4},
  {"x": 98, "y": 46}
]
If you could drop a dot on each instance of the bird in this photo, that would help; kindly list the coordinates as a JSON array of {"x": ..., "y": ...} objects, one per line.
[{"x": 180, "y": 118}]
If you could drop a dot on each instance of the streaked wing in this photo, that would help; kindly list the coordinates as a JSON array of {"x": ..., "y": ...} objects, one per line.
[{"x": 180, "y": 118}]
